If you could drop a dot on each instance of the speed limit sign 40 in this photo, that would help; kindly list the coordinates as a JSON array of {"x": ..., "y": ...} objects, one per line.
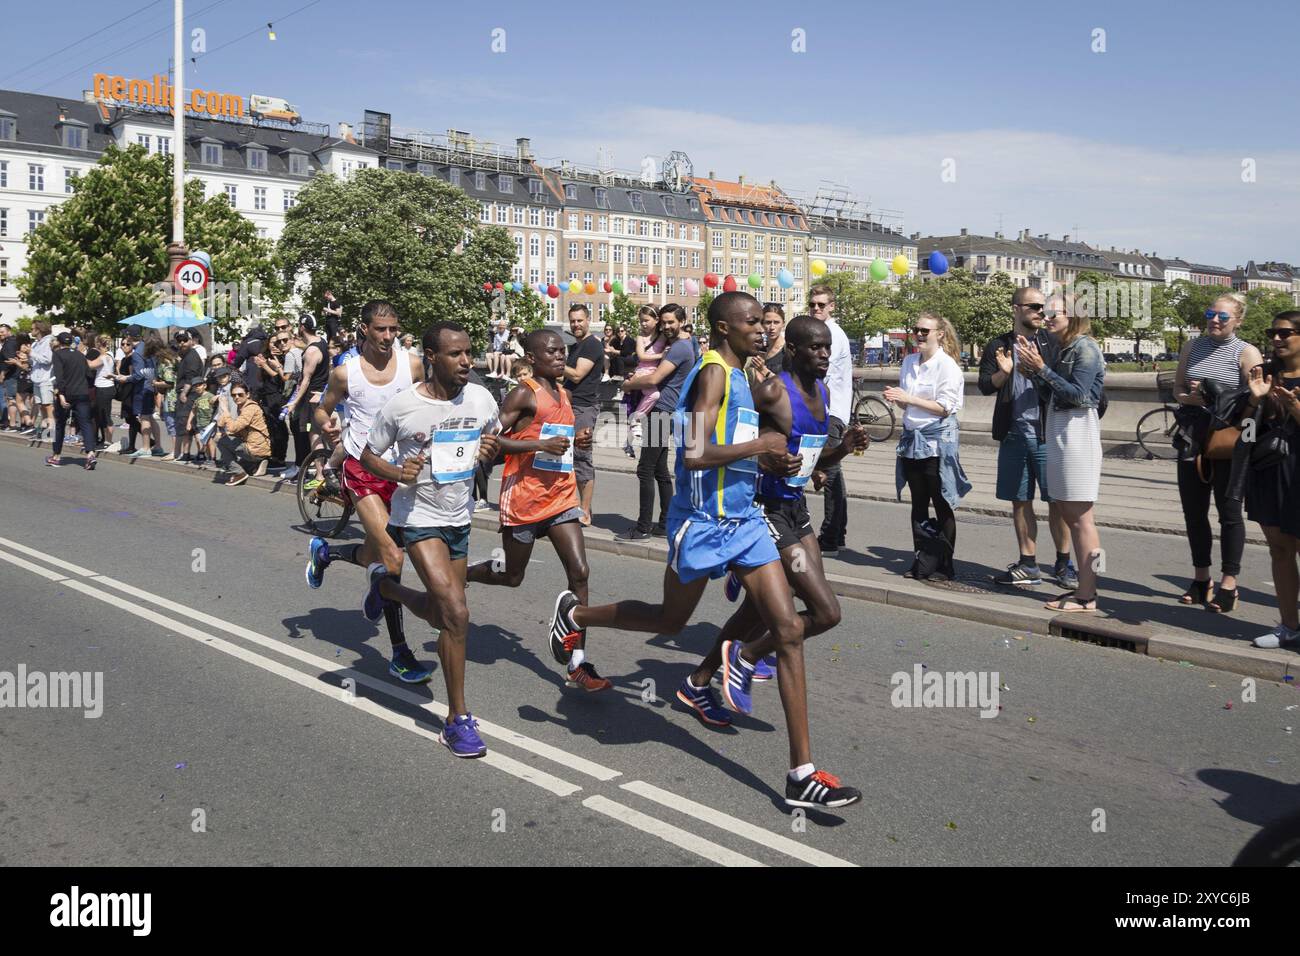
[{"x": 191, "y": 276}]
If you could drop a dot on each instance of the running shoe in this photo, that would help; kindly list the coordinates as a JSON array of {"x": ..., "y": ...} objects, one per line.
[
  {"x": 765, "y": 669},
  {"x": 585, "y": 676},
  {"x": 1066, "y": 576},
  {"x": 1020, "y": 575},
  {"x": 142, "y": 453},
  {"x": 704, "y": 704},
  {"x": 737, "y": 674},
  {"x": 238, "y": 478},
  {"x": 407, "y": 669},
  {"x": 565, "y": 633},
  {"x": 1280, "y": 636},
  {"x": 819, "y": 789},
  {"x": 460, "y": 736},
  {"x": 90, "y": 463},
  {"x": 829, "y": 550},
  {"x": 311, "y": 484},
  {"x": 633, "y": 534},
  {"x": 372, "y": 605},
  {"x": 318, "y": 559},
  {"x": 732, "y": 588},
  {"x": 53, "y": 462},
  {"x": 659, "y": 530}
]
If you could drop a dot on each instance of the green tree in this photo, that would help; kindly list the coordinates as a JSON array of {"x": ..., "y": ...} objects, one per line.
[
  {"x": 622, "y": 311},
  {"x": 1261, "y": 306},
  {"x": 413, "y": 240},
  {"x": 978, "y": 310},
  {"x": 98, "y": 254},
  {"x": 526, "y": 309},
  {"x": 707, "y": 296}
]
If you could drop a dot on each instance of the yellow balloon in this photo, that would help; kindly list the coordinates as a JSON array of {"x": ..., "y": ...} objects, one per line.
[
  {"x": 900, "y": 265},
  {"x": 575, "y": 286},
  {"x": 817, "y": 267}
]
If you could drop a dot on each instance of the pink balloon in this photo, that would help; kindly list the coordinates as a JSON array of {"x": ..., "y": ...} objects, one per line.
[
  {"x": 692, "y": 287},
  {"x": 634, "y": 285}
]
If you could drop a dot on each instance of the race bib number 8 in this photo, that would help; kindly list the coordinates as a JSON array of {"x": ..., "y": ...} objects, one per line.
[
  {"x": 746, "y": 430},
  {"x": 453, "y": 454},
  {"x": 810, "y": 449},
  {"x": 544, "y": 462}
]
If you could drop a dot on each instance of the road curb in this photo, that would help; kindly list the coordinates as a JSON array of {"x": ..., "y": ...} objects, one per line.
[{"x": 1141, "y": 639}]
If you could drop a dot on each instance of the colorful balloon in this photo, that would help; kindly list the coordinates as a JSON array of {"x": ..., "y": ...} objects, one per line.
[
  {"x": 541, "y": 288},
  {"x": 692, "y": 287},
  {"x": 618, "y": 286},
  {"x": 487, "y": 286},
  {"x": 729, "y": 284},
  {"x": 652, "y": 280},
  {"x": 498, "y": 287},
  {"x": 755, "y": 280},
  {"x": 710, "y": 280},
  {"x": 634, "y": 285},
  {"x": 938, "y": 263},
  {"x": 785, "y": 278},
  {"x": 575, "y": 286},
  {"x": 607, "y": 287},
  {"x": 879, "y": 269},
  {"x": 553, "y": 291},
  {"x": 817, "y": 267},
  {"x": 900, "y": 265},
  {"x": 589, "y": 288}
]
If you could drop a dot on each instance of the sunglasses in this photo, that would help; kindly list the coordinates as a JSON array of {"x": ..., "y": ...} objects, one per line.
[
  {"x": 1281, "y": 333},
  {"x": 917, "y": 330},
  {"x": 238, "y": 394},
  {"x": 1032, "y": 306},
  {"x": 819, "y": 305},
  {"x": 1211, "y": 315}
]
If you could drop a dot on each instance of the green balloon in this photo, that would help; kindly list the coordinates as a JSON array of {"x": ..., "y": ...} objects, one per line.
[
  {"x": 879, "y": 269},
  {"x": 618, "y": 286},
  {"x": 755, "y": 280}
]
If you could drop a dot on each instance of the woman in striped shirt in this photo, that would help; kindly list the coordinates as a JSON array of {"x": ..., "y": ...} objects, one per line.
[{"x": 1211, "y": 364}]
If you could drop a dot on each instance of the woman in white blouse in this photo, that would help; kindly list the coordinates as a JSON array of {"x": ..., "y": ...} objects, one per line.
[{"x": 931, "y": 391}]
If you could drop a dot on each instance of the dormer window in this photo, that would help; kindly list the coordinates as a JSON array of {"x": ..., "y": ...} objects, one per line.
[
  {"x": 602, "y": 197},
  {"x": 694, "y": 204},
  {"x": 535, "y": 187},
  {"x": 8, "y": 127},
  {"x": 638, "y": 204},
  {"x": 670, "y": 205},
  {"x": 396, "y": 165},
  {"x": 480, "y": 180},
  {"x": 453, "y": 176},
  {"x": 255, "y": 157},
  {"x": 72, "y": 134},
  {"x": 297, "y": 164},
  {"x": 570, "y": 191},
  {"x": 212, "y": 154},
  {"x": 505, "y": 183}
]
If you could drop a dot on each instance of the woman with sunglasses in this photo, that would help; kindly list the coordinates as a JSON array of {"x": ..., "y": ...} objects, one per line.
[
  {"x": 1273, "y": 483},
  {"x": 1075, "y": 380},
  {"x": 1212, "y": 364},
  {"x": 931, "y": 390}
]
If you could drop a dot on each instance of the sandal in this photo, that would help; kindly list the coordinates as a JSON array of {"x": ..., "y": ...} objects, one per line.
[
  {"x": 1198, "y": 593},
  {"x": 1225, "y": 601},
  {"x": 1080, "y": 605}
]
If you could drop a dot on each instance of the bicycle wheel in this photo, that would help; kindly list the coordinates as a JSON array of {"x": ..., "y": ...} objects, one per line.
[
  {"x": 1155, "y": 433},
  {"x": 874, "y": 415},
  {"x": 325, "y": 508}
]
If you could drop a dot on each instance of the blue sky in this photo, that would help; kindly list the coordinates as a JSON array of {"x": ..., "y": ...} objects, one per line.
[{"x": 1139, "y": 147}]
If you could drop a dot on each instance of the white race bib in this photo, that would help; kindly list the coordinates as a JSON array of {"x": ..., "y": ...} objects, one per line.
[
  {"x": 746, "y": 430},
  {"x": 453, "y": 453},
  {"x": 544, "y": 462},
  {"x": 810, "y": 449}
]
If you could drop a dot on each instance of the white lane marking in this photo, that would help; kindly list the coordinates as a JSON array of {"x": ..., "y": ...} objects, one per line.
[
  {"x": 34, "y": 568},
  {"x": 48, "y": 559},
  {"x": 667, "y": 832},
  {"x": 740, "y": 828},
  {"x": 439, "y": 709},
  {"x": 532, "y": 775}
]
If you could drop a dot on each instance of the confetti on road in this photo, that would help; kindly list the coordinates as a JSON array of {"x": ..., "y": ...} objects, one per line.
[
  {"x": 81, "y": 511},
  {"x": 898, "y": 643},
  {"x": 1184, "y": 663},
  {"x": 1228, "y": 706},
  {"x": 950, "y": 825},
  {"x": 1289, "y": 678},
  {"x": 171, "y": 504},
  {"x": 182, "y": 765},
  {"x": 1003, "y": 686},
  {"x": 1272, "y": 760},
  {"x": 1002, "y": 642},
  {"x": 1033, "y": 720}
]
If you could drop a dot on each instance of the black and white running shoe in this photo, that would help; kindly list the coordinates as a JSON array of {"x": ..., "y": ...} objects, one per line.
[
  {"x": 565, "y": 633},
  {"x": 819, "y": 789}
]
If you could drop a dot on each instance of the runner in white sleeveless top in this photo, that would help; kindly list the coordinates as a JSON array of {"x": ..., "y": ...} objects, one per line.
[{"x": 367, "y": 382}]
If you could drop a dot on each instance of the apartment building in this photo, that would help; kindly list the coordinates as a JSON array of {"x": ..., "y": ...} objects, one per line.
[
  {"x": 1027, "y": 264},
  {"x": 850, "y": 244}
]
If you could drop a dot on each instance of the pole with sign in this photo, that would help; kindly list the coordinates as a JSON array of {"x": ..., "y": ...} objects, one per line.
[{"x": 191, "y": 278}]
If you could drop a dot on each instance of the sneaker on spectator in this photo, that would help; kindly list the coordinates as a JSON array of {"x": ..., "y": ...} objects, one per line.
[
  {"x": 261, "y": 469},
  {"x": 290, "y": 473},
  {"x": 1280, "y": 636},
  {"x": 1020, "y": 575}
]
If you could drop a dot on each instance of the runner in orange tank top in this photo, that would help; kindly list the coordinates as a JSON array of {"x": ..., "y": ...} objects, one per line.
[{"x": 539, "y": 492}]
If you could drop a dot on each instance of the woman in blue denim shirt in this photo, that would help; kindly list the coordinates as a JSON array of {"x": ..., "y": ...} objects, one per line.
[
  {"x": 144, "y": 400},
  {"x": 1073, "y": 439}
]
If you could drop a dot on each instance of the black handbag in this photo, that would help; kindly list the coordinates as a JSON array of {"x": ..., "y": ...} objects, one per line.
[
  {"x": 1272, "y": 447},
  {"x": 932, "y": 553}
]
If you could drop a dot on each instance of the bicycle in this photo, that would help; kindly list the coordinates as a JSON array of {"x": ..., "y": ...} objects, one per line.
[
  {"x": 874, "y": 414},
  {"x": 323, "y": 504},
  {"x": 1156, "y": 429},
  {"x": 1278, "y": 844}
]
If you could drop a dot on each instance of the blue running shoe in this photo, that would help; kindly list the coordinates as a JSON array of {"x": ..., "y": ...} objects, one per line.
[
  {"x": 407, "y": 669},
  {"x": 765, "y": 669},
  {"x": 460, "y": 736},
  {"x": 372, "y": 605},
  {"x": 732, "y": 588},
  {"x": 318, "y": 559},
  {"x": 736, "y": 678},
  {"x": 704, "y": 704}
]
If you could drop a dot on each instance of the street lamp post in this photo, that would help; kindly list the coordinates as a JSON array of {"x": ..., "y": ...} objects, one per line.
[{"x": 176, "y": 251}]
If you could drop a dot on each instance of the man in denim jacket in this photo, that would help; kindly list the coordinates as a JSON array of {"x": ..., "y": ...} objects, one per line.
[{"x": 1019, "y": 418}]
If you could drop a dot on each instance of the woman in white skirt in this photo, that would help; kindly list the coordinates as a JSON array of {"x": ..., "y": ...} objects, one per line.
[{"x": 1073, "y": 438}]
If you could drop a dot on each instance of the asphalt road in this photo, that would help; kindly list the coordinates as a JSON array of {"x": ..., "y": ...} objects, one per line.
[{"x": 222, "y": 693}]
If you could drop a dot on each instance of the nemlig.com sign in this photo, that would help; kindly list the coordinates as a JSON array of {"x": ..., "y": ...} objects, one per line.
[{"x": 158, "y": 92}]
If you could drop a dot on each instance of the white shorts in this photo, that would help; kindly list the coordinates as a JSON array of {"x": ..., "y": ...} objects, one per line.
[{"x": 44, "y": 393}]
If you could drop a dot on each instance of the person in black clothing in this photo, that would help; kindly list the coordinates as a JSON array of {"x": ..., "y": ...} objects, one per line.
[
  {"x": 311, "y": 386},
  {"x": 333, "y": 317},
  {"x": 582, "y": 374},
  {"x": 8, "y": 380},
  {"x": 72, "y": 379},
  {"x": 189, "y": 367},
  {"x": 1019, "y": 428}
]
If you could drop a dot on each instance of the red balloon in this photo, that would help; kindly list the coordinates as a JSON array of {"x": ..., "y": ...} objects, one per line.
[
  {"x": 487, "y": 286},
  {"x": 710, "y": 280},
  {"x": 499, "y": 287},
  {"x": 652, "y": 279},
  {"x": 553, "y": 291},
  {"x": 607, "y": 287},
  {"x": 729, "y": 284}
]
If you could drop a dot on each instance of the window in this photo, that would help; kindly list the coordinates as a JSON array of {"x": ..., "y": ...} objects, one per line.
[
  {"x": 164, "y": 145},
  {"x": 798, "y": 268},
  {"x": 641, "y": 227},
  {"x": 695, "y": 260},
  {"x": 641, "y": 257},
  {"x": 484, "y": 212},
  {"x": 69, "y": 177},
  {"x": 671, "y": 261},
  {"x": 4, "y": 222},
  {"x": 695, "y": 233},
  {"x": 396, "y": 165},
  {"x": 672, "y": 231},
  {"x": 8, "y": 128},
  {"x": 744, "y": 240},
  {"x": 602, "y": 252},
  {"x": 655, "y": 256},
  {"x": 658, "y": 229},
  {"x": 618, "y": 225},
  {"x": 573, "y": 220},
  {"x": 535, "y": 246},
  {"x": 256, "y": 159},
  {"x": 602, "y": 224},
  {"x": 424, "y": 169},
  {"x": 602, "y": 198},
  {"x": 550, "y": 218},
  {"x": 259, "y": 197},
  {"x": 480, "y": 180},
  {"x": 211, "y": 154},
  {"x": 740, "y": 267},
  {"x": 715, "y": 264},
  {"x": 142, "y": 139},
  {"x": 759, "y": 265},
  {"x": 586, "y": 223},
  {"x": 517, "y": 215},
  {"x": 4, "y": 173},
  {"x": 453, "y": 176},
  {"x": 550, "y": 248},
  {"x": 735, "y": 240},
  {"x": 4, "y": 273},
  {"x": 297, "y": 164},
  {"x": 534, "y": 216},
  {"x": 534, "y": 276},
  {"x": 232, "y": 194},
  {"x": 668, "y": 285},
  {"x": 570, "y": 191},
  {"x": 717, "y": 240},
  {"x": 74, "y": 137},
  {"x": 618, "y": 253},
  {"x": 587, "y": 252},
  {"x": 796, "y": 247},
  {"x": 670, "y": 205},
  {"x": 505, "y": 183},
  {"x": 262, "y": 233},
  {"x": 758, "y": 243},
  {"x": 573, "y": 251},
  {"x": 638, "y": 203},
  {"x": 503, "y": 214},
  {"x": 534, "y": 186},
  {"x": 36, "y": 177},
  {"x": 34, "y": 218},
  {"x": 290, "y": 199},
  {"x": 519, "y": 245}
]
